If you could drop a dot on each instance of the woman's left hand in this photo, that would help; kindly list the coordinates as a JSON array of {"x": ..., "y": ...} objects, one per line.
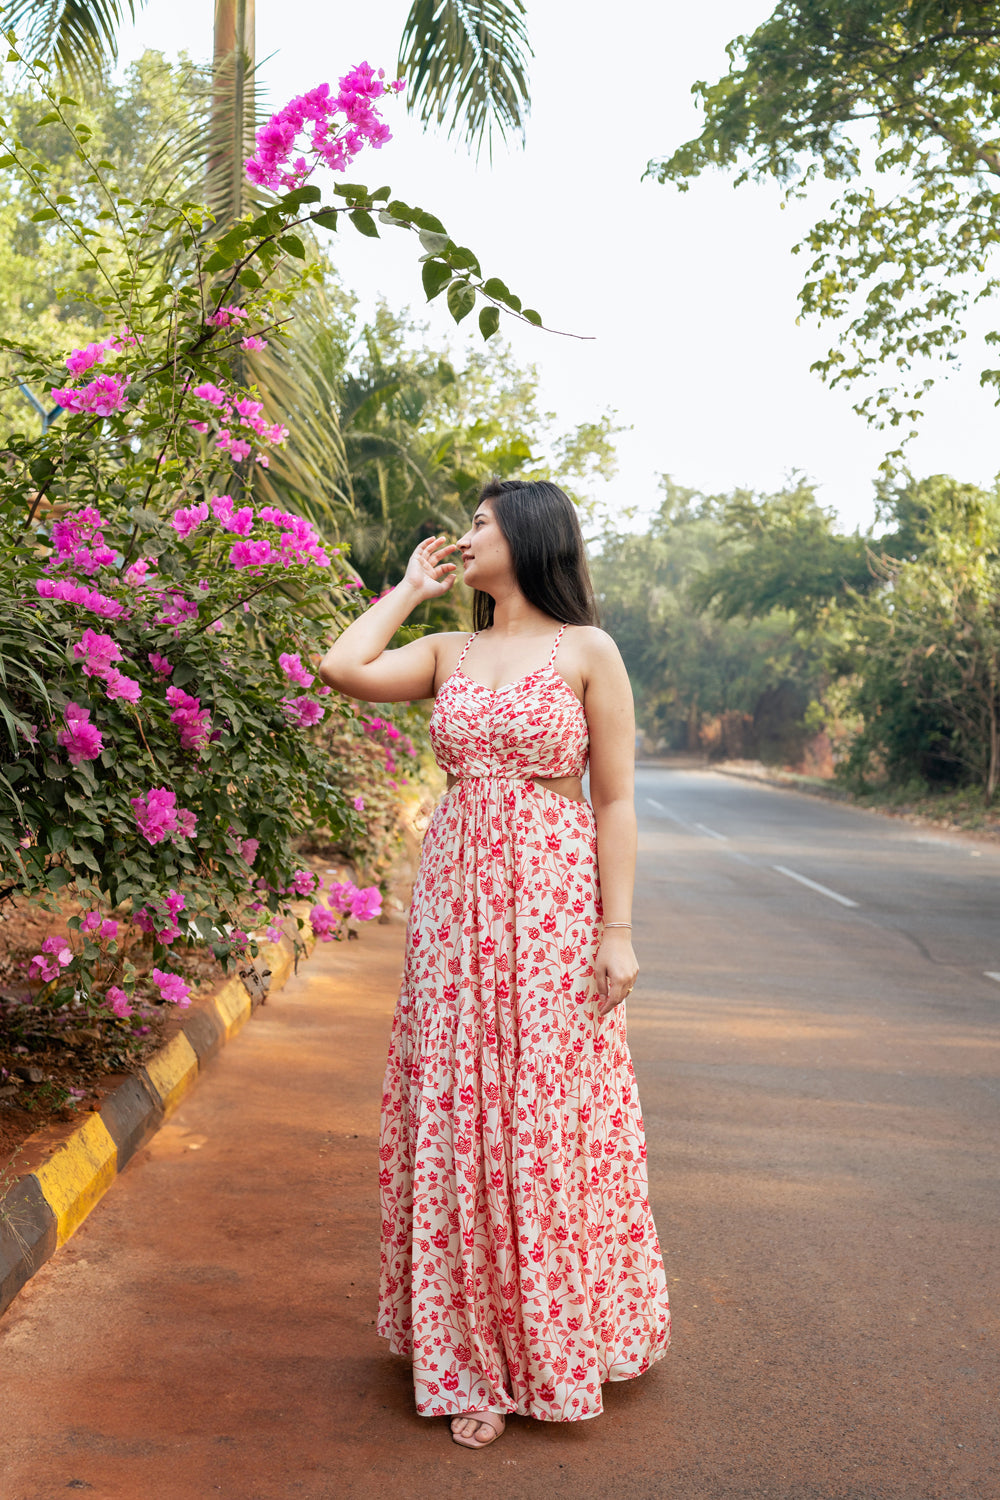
[{"x": 616, "y": 971}]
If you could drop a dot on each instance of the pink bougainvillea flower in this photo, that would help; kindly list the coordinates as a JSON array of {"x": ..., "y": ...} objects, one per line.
[
  {"x": 359, "y": 804},
  {"x": 175, "y": 607},
  {"x": 341, "y": 896},
  {"x": 223, "y": 317},
  {"x": 191, "y": 719},
  {"x": 222, "y": 507},
  {"x": 83, "y": 359},
  {"x": 71, "y": 530},
  {"x": 159, "y": 664},
  {"x": 103, "y": 396},
  {"x": 201, "y": 427},
  {"x": 186, "y": 822},
  {"x": 303, "y": 883},
  {"x": 251, "y": 554},
  {"x": 187, "y": 518},
  {"x": 273, "y": 934},
  {"x": 241, "y": 521},
  {"x": 81, "y": 739},
  {"x": 42, "y": 967},
  {"x": 275, "y": 163},
  {"x": 56, "y": 955},
  {"x": 98, "y": 653},
  {"x": 136, "y": 574},
  {"x": 303, "y": 712},
  {"x": 117, "y": 685},
  {"x": 73, "y": 592},
  {"x": 366, "y": 904},
  {"x": 117, "y": 999},
  {"x": 323, "y": 922},
  {"x": 172, "y": 988},
  {"x": 291, "y": 664},
  {"x": 103, "y": 927},
  {"x": 209, "y": 392},
  {"x": 158, "y": 817},
  {"x": 253, "y": 343},
  {"x": 237, "y": 448}
]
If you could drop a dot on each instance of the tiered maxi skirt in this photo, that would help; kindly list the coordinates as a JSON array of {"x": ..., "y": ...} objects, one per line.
[{"x": 520, "y": 1262}]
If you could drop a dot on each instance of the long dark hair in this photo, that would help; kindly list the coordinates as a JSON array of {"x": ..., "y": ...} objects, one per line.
[{"x": 540, "y": 525}]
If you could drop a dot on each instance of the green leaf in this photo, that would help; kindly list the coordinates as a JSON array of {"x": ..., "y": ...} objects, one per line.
[
  {"x": 461, "y": 300},
  {"x": 532, "y": 316},
  {"x": 295, "y": 199},
  {"x": 248, "y": 277},
  {"x": 432, "y": 242},
  {"x": 494, "y": 287},
  {"x": 217, "y": 261},
  {"x": 489, "y": 321},
  {"x": 434, "y": 275},
  {"x": 364, "y": 223},
  {"x": 43, "y": 214},
  {"x": 327, "y": 219},
  {"x": 293, "y": 245}
]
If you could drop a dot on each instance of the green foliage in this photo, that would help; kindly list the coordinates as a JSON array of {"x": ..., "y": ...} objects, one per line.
[
  {"x": 702, "y": 678},
  {"x": 782, "y": 552},
  {"x": 928, "y": 645},
  {"x": 79, "y": 36},
  {"x": 468, "y": 58},
  {"x": 897, "y": 634},
  {"x": 900, "y": 103}
]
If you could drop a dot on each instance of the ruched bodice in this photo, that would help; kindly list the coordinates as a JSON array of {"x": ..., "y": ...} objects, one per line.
[{"x": 534, "y": 727}]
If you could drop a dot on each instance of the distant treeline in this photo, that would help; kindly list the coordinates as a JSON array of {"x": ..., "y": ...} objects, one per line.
[{"x": 752, "y": 627}]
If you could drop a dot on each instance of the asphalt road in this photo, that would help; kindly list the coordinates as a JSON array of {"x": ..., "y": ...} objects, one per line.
[{"x": 820, "y": 1083}]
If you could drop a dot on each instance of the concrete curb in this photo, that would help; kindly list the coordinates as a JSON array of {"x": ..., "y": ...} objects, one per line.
[{"x": 46, "y": 1205}]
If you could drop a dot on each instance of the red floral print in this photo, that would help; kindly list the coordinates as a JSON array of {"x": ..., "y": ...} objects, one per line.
[{"x": 520, "y": 1263}]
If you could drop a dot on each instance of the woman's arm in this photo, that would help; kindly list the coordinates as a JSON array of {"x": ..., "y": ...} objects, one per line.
[
  {"x": 358, "y": 664},
  {"x": 611, "y": 722}
]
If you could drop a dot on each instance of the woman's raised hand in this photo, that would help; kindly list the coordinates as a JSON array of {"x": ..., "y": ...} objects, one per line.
[{"x": 426, "y": 573}]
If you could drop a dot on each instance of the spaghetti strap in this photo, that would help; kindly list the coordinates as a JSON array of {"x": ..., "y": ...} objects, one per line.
[
  {"x": 555, "y": 648},
  {"x": 465, "y": 648}
]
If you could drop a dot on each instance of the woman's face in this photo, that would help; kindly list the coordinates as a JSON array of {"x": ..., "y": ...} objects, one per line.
[{"x": 486, "y": 561}]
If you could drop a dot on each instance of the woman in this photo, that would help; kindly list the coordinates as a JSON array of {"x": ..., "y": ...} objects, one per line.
[{"x": 520, "y": 1265}]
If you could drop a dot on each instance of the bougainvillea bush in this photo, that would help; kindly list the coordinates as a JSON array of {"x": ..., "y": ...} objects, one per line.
[{"x": 159, "y": 628}]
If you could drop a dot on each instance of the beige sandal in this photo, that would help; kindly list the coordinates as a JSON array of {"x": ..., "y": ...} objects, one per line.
[{"x": 487, "y": 1419}]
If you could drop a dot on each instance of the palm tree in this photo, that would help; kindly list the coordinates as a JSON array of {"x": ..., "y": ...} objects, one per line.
[{"x": 465, "y": 60}]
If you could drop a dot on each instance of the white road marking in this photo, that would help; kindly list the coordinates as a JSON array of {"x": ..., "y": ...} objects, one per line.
[
  {"x": 990, "y": 975},
  {"x": 722, "y": 837},
  {"x": 658, "y": 805},
  {"x": 814, "y": 885}
]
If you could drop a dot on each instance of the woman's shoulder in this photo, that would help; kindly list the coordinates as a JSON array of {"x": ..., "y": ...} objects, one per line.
[{"x": 592, "y": 644}]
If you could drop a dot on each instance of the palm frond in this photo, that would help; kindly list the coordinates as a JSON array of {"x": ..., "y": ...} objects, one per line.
[
  {"x": 79, "y": 36},
  {"x": 469, "y": 59}
]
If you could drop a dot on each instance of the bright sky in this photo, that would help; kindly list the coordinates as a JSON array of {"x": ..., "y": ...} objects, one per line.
[{"x": 690, "y": 298}]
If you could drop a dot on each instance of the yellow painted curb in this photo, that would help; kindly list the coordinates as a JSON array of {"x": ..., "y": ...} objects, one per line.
[
  {"x": 172, "y": 1071},
  {"x": 78, "y": 1174},
  {"x": 233, "y": 1006}
]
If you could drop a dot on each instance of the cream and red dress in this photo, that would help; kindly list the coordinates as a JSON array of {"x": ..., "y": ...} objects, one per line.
[{"x": 520, "y": 1263}]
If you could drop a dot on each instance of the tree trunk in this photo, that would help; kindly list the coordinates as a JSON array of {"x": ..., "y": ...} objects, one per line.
[
  {"x": 993, "y": 773},
  {"x": 232, "y": 108}
]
